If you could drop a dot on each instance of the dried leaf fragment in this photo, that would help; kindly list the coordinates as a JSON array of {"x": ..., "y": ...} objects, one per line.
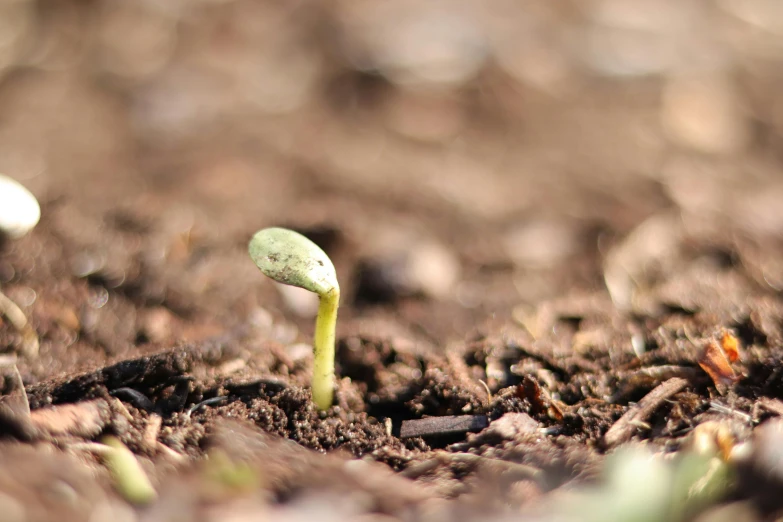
[
  {"x": 714, "y": 361},
  {"x": 730, "y": 345}
]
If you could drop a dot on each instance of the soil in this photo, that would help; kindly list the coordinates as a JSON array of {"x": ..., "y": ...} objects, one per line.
[{"x": 474, "y": 270}]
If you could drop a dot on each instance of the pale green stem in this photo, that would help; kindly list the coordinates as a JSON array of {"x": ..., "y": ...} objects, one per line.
[{"x": 323, "y": 365}]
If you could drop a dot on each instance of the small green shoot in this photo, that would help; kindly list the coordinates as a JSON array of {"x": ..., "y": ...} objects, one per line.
[
  {"x": 227, "y": 475},
  {"x": 290, "y": 258},
  {"x": 129, "y": 477}
]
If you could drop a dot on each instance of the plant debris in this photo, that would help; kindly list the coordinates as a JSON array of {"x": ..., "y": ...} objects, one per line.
[
  {"x": 636, "y": 416},
  {"x": 446, "y": 425}
]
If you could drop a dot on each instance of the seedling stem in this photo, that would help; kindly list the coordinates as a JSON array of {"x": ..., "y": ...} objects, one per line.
[
  {"x": 323, "y": 349},
  {"x": 290, "y": 258}
]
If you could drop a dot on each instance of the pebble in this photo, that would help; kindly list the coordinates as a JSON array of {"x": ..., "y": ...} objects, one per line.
[
  {"x": 300, "y": 301},
  {"x": 260, "y": 319},
  {"x": 19, "y": 210},
  {"x": 439, "y": 45},
  {"x": 427, "y": 268},
  {"x": 636, "y": 37},
  {"x": 704, "y": 113},
  {"x": 540, "y": 243},
  {"x": 641, "y": 253},
  {"x": 424, "y": 116},
  {"x": 157, "y": 324},
  {"x": 299, "y": 351},
  {"x": 432, "y": 268},
  {"x": 511, "y": 425}
]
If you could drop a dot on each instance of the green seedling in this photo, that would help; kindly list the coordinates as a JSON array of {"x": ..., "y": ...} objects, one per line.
[
  {"x": 129, "y": 477},
  {"x": 292, "y": 259}
]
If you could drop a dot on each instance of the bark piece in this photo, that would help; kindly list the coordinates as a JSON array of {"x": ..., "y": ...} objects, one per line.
[
  {"x": 84, "y": 419},
  {"x": 448, "y": 425}
]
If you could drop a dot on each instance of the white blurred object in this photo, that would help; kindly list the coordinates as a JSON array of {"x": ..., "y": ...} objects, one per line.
[
  {"x": 303, "y": 303},
  {"x": 704, "y": 112},
  {"x": 631, "y": 262},
  {"x": 432, "y": 268},
  {"x": 764, "y": 14},
  {"x": 434, "y": 44},
  {"x": 19, "y": 210},
  {"x": 540, "y": 243},
  {"x": 646, "y": 37}
]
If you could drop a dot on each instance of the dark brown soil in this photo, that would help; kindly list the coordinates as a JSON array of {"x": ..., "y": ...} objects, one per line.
[{"x": 474, "y": 266}]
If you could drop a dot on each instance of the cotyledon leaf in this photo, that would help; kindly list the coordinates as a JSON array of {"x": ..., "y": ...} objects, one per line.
[{"x": 290, "y": 258}]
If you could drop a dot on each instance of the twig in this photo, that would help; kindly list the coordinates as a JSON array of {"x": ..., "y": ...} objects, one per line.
[
  {"x": 442, "y": 425},
  {"x": 626, "y": 426}
]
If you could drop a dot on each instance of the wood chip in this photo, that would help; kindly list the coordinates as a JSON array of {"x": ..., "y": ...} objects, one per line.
[
  {"x": 84, "y": 419},
  {"x": 433, "y": 426},
  {"x": 626, "y": 426}
]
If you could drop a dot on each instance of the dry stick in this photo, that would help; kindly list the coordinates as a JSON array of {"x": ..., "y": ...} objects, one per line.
[
  {"x": 445, "y": 425},
  {"x": 624, "y": 428}
]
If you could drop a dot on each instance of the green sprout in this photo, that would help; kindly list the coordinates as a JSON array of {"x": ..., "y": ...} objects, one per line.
[
  {"x": 129, "y": 477},
  {"x": 290, "y": 258}
]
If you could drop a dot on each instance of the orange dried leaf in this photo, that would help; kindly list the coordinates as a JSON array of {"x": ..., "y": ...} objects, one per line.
[
  {"x": 715, "y": 363},
  {"x": 730, "y": 345}
]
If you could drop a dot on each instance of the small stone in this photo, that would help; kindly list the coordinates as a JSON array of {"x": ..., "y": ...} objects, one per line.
[
  {"x": 704, "y": 113},
  {"x": 641, "y": 37},
  {"x": 433, "y": 268},
  {"x": 303, "y": 303},
  {"x": 156, "y": 324},
  {"x": 436, "y": 45},
  {"x": 261, "y": 319},
  {"x": 511, "y": 425},
  {"x": 403, "y": 264},
  {"x": 642, "y": 253},
  {"x": 84, "y": 419},
  {"x": 299, "y": 351},
  {"x": 19, "y": 210},
  {"x": 425, "y": 116},
  {"x": 540, "y": 243}
]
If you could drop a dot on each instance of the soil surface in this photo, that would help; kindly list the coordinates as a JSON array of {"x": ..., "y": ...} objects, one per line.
[{"x": 540, "y": 259}]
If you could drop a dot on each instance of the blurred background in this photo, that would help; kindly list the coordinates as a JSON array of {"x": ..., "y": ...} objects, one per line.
[{"x": 457, "y": 159}]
